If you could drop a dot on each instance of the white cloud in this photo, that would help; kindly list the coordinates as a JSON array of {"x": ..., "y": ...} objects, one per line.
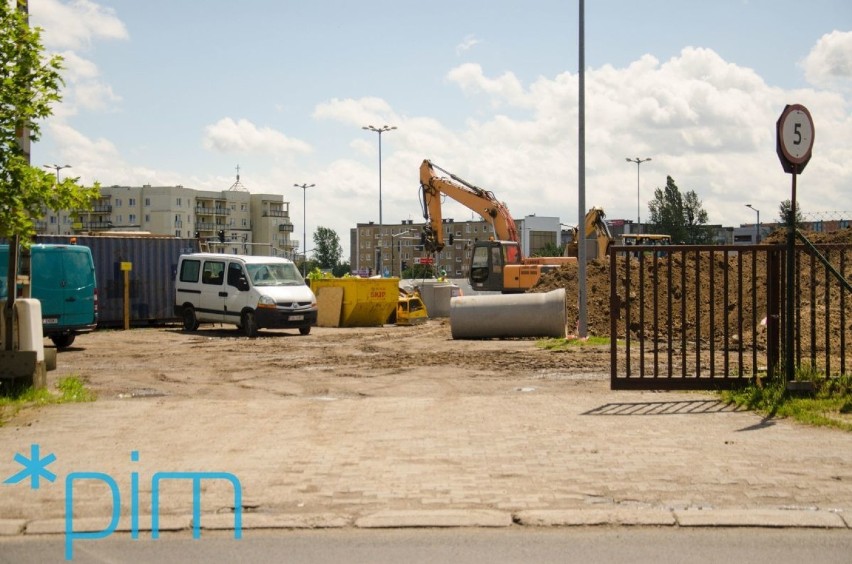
[
  {"x": 504, "y": 89},
  {"x": 76, "y": 24},
  {"x": 829, "y": 64},
  {"x": 229, "y": 136},
  {"x": 467, "y": 44},
  {"x": 358, "y": 112}
]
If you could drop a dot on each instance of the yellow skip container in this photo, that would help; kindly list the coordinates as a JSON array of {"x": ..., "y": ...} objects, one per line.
[{"x": 366, "y": 302}]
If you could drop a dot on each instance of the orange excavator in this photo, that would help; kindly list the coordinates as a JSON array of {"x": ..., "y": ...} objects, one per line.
[{"x": 496, "y": 263}]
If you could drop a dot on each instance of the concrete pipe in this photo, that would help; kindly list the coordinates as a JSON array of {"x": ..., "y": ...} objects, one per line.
[{"x": 508, "y": 315}]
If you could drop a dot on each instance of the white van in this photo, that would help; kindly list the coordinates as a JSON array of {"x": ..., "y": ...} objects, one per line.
[{"x": 252, "y": 292}]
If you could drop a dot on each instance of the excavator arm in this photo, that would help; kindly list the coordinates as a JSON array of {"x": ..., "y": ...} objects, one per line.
[
  {"x": 594, "y": 225},
  {"x": 481, "y": 201}
]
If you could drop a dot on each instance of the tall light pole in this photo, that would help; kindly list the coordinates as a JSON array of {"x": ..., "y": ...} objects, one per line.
[
  {"x": 638, "y": 162},
  {"x": 756, "y": 229},
  {"x": 304, "y": 188},
  {"x": 380, "y": 130},
  {"x": 57, "y": 168}
]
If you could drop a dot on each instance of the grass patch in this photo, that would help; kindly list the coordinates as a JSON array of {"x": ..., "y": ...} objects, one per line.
[
  {"x": 565, "y": 344},
  {"x": 829, "y": 405},
  {"x": 68, "y": 390}
]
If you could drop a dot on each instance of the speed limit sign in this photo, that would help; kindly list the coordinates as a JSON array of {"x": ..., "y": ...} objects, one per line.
[{"x": 795, "y": 138}]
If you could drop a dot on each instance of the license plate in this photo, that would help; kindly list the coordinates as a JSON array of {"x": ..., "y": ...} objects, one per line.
[
  {"x": 297, "y": 317},
  {"x": 49, "y": 321}
]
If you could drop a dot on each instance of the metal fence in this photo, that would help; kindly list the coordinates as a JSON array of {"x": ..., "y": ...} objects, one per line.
[{"x": 712, "y": 317}]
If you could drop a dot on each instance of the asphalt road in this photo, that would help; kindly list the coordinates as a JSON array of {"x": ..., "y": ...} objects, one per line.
[{"x": 474, "y": 546}]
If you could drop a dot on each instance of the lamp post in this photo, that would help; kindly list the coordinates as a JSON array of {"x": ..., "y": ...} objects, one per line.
[
  {"x": 57, "y": 168},
  {"x": 757, "y": 229},
  {"x": 304, "y": 188},
  {"x": 380, "y": 130},
  {"x": 638, "y": 162},
  {"x": 400, "y": 251}
]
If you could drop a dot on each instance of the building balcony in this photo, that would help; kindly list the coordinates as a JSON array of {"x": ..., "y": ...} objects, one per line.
[
  {"x": 92, "y": 225},
  {"x": 285, "y": 228},
  {"x": 201, "y": 210},
  {"x": 275, "y": 213}
]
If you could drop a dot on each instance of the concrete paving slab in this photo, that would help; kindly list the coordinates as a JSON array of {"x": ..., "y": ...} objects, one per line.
[
  {"x": 759, "y": 518},
  {"x": 11, "y": 527},
  {"x": 591, "y": 517},
  {"x": 435, "y": 518},
  {"x": 225, "y": 521},
  {"x": 94, "y": 524}
]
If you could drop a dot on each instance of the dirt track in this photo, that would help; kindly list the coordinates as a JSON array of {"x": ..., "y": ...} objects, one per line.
[{"x": 219, "y": 363}]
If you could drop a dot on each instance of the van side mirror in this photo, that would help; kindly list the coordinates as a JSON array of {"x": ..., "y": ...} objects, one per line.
[{"x": 242, "y": 284}]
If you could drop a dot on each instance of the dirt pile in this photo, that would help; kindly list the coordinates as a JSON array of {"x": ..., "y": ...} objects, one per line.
[{"x": 718, "y": 292}]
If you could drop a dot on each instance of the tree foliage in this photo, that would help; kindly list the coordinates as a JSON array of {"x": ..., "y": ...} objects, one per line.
[
  {"x": 327, "y": 249},
  {"x": 549, "y": 250},
  {"x": 30, "y": 85},
  {"x": 786, "y": 209},
  {"x": 680, "y": 216}
]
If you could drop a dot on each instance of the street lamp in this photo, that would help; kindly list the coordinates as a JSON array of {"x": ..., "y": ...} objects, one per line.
[
  {"x": 400, "y": 251},
  {"x": 638, "y": 162},
  {"x": 304, "y": 188},
  {"x": 57, "y": 168},
  {"x": 380, "y": 130},
  {"x": 757, "y": 229}
]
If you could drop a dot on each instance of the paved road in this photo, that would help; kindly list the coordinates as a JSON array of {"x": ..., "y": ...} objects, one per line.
[{"x": 469, "y": 546}]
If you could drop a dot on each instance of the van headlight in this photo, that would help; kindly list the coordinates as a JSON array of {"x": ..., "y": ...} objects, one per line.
[{"x": 265, "y": 301}]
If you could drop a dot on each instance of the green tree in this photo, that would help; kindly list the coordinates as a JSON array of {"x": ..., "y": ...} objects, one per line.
[
  {"x": 341, "y": 269},
  {"x": 327, "y": 249},
  {"x": 680, "y": 216},
  {"x": 549, "y": 250},
  {"x": 30, "y": 86},
  {"x": 786, "y": 209}
]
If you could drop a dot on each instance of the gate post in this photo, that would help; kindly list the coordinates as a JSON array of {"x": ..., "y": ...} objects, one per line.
[{"x": 773, "y": 310}]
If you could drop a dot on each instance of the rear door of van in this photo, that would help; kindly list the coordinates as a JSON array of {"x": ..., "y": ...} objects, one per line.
[{"x": 63, "y": 279}]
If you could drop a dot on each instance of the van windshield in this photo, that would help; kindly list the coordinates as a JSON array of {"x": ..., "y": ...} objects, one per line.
[{"x": 277, "y": 274}]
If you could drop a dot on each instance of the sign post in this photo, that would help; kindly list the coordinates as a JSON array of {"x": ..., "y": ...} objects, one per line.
[{"x": 794, "y": 145}]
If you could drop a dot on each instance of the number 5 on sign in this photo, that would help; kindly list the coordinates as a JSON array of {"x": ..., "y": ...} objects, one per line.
[{"x": 795, "y": 138}]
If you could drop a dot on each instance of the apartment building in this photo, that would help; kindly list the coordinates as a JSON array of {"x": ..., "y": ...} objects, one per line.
[
  {"x": 398, "y": 244},
  {"x": 255, "y": 224}
]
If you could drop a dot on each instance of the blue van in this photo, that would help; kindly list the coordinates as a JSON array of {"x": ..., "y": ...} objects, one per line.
[{"x": 63, "y": 280}]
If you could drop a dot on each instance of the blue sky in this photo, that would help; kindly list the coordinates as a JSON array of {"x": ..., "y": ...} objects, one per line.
[{"x": 181, "y": 92}]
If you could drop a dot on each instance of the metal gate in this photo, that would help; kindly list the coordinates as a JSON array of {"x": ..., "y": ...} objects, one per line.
[{"x": 712, "y": 317}]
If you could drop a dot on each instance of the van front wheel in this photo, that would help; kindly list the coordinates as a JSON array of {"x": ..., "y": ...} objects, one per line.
[
  {"x": 249, "y": 323},
  {"x": 190, "y": 321}
]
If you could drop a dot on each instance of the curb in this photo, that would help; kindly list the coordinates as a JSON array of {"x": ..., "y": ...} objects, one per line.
[
  {"x": 391, "y": 519},
  {"x": 819, "y": 519},
  {"x": 456, "y": 518}
]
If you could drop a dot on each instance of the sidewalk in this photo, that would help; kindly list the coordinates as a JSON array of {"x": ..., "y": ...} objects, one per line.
[{"x": 586, "y": 456}]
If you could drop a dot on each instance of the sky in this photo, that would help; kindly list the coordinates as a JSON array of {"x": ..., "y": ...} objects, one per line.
[{"x": 183, "y": 92}]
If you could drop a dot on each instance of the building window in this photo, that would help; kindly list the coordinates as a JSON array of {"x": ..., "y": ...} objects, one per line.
[
  {"x": 245, "y": 222},
  {"x": 131, "y": 218},
  {"x": 118, "y": 202},
  {"x": 147, "y": 201},
  {"x": 242, "y": 207},
  {"x": 177, "y": 231},
  {"x": 131, "y": 201},
  {"x": 178, "y": 204},
  {"x": 147, "y": 218}
]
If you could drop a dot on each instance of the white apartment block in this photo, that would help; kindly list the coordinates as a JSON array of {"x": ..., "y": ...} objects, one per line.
[
  {"x": 400, "y": 244},
  {"x": 255, "y": 224}
]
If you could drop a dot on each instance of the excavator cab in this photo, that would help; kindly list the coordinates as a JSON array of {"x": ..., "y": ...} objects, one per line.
[{"x": 489, "y": 262}]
